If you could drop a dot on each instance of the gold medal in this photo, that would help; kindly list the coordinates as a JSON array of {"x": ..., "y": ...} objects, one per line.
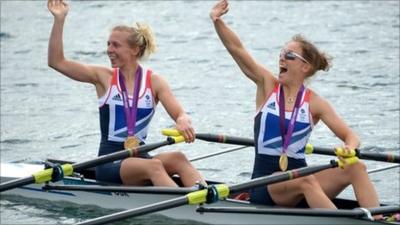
[
  {"x": 131, "y": 142},
  {"x": 283, "y": 162}
]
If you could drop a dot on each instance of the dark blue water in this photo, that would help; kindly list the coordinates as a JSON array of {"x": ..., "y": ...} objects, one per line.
[{"x": 45, "y": 115}]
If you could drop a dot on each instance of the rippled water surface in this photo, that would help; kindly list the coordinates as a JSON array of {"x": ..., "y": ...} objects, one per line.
[{"x": 45, "y": 115}]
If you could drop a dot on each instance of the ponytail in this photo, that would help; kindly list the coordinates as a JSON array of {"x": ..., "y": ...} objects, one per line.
[{"x": 140, "y": 36}]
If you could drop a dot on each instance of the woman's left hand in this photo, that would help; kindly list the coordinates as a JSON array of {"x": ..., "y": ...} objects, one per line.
[
  {"x": 219, "y": 9},
  {"x": 345, "y": 151},
  {"x": 184, "y": 126}
]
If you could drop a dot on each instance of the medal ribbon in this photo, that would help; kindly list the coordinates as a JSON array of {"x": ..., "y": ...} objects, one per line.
[
  {"x": 130, "y": 110},
  {"x": 287, "y": 134}
]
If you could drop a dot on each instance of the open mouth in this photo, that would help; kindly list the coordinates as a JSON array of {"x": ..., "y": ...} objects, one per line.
[{"x": 282, "y": 69}]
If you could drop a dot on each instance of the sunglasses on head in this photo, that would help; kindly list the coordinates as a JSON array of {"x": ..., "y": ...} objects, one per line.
[{"x": 289, "y": 55}]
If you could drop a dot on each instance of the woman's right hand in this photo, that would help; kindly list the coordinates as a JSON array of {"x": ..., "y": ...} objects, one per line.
[
  {"x": 219, "y": 9},
  {"x": 59, "y": 8}
]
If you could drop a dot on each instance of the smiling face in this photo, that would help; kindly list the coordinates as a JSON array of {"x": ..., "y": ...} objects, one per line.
[
  {"x": 292, "y": 65},
  {"x": 119, "y": 51}
]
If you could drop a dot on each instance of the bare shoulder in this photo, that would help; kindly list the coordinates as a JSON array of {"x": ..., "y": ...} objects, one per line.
[
  {"x": 159, "y": 84},
  {"x": 155, "y": 76},
  {"x": 103, "y": 77},
  {"x": 265, "y": 76},
  {"x": 102, "y": 70},
  {"x": 269, "y": 83},
  {"x": 318, "y": 104},
  {"x": 161, "y": 89},
  {"x": 157, "y": 80}
]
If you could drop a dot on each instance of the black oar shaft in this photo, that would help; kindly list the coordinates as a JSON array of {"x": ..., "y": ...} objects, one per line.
[
  {"x": 159, "y": 206},
  {"x": 217, "y": 153},
  {"x": 380, "y": 157},
  {"x": 357, "y": 212},
  {"x": 118, "y": 155},
  {"x": 225, "y": 139},
  {"x": 200, "y": 196},
  {"x": 385, "y": 209},
  {"x": 362, "y": 155},
  {"x": 387, "y": 157},
  {"x": 90, "y": 163},
  {"x": 275, "y": 178},
  {"x": 128, "y": 189},
  {"x": 16, "y": 183},
  {"x": 383, "y": 168}
]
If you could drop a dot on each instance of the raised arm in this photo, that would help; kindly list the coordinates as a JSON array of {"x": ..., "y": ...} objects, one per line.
[
  {"x": 252, "y": 69},
  {"x": 164, "y": 94},
  {"x": 56, "y": 60}
]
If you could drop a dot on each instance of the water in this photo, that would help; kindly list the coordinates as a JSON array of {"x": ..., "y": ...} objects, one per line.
[{"x": 45, "y": 115}]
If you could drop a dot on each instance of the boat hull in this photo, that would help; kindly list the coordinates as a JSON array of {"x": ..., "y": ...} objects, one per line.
[{"x": 123, "y": 201}]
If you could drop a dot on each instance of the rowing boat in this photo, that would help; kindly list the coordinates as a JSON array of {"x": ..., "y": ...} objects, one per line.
[{"x": 229, "y": 211}]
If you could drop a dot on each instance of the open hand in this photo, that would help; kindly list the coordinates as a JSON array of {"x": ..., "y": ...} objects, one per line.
[
  {"x": 59, "y": 8},
  {"x": 219, "y": 9}
]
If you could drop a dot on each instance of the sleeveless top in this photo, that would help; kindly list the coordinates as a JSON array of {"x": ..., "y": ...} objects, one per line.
[
  {"x": 112, "y": 117},
  {"x": 267, "y": 135}
]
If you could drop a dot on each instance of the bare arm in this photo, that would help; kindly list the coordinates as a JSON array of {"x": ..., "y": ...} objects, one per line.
[
  {"x": 250, "y": 67},
  {"x": 96, "y": 75},
  {"x": 324, "y": 111},
  {"x": 173, "y": 107}
]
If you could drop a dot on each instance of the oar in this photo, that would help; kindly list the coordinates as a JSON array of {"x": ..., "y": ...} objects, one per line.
[
  {"x": 212, "y": 194},
  {"x": 383, "y": 168},
  {"x": 219, "y": 138},
  {"x": 217, "y": 153},
  {"x": 383, "y": 157},
  {"x": 127, "y": 189},
  {"x": 68, "y": 169},
  {"x": 155, "y": 189},
  {"x": 356, "y": 212}
]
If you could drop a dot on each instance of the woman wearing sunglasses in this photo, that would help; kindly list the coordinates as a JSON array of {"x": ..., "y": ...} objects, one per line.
[{"x": 286, "y": 114}]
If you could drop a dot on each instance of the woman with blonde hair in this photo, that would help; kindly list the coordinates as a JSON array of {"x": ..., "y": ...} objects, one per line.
[{"x": 128, "y": 94}]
